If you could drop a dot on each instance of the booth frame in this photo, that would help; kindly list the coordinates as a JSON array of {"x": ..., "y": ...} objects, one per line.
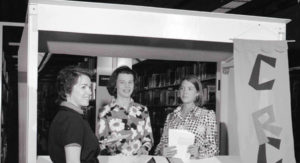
[{"x": 129, "y": 21}]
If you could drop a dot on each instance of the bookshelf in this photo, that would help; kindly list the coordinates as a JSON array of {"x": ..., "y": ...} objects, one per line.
[
  {"x": 6, "y": 105},
  {"x": 47, "y": 108},
  {"x": 295, "y": 108},
  {"x": 158, "y": 88}
]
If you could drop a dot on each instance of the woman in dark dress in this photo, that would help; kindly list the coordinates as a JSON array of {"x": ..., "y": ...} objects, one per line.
[{"x": 71, "y": 139}]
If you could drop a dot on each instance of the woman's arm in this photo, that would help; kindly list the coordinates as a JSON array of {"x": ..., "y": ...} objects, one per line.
[
  {"x": 211, "y": 148},
  {"x": 147, "y": 141},
  {"x": 73, "y": 153},
  {"x": 103, "y": 131}
]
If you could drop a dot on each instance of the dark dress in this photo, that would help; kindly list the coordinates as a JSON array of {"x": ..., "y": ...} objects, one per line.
[{"x": 70, "y": 127}]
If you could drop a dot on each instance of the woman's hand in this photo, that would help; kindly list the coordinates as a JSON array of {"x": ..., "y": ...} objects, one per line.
[
  {"x": 168, "y": 151},
  {"x": 193, "y": 150},
  {"x": 142, "y": 151},
  {"x": 110, "y": 146},
  {"x": 110, "y": 143}
]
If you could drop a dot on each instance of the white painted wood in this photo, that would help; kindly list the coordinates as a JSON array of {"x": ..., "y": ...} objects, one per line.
[
  {"x": 147, "y": 22},
  {"x": 23, "y": 93},
  {"x": 28, "y": 59},
  {"x": 14, "y": 44},
  {"x": 150, "y": 22},
  {"x": 158, "y": 10},
  {"x": 152, "y": 49},
  {"x": 44, "y": 159},
  {"x": 125, "y": 62},
  {"x": 32, "y": 76},
  {"x": 114, "y": 159},
  {"x": 104, "y": 67},
  {"x": 218, "y": 99},
  {"x": 12, "y": 24},
  {"x": 228, "y": 119}
]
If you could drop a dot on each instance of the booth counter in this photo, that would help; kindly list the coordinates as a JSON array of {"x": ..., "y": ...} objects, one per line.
[{"x": 158, "y": 159}]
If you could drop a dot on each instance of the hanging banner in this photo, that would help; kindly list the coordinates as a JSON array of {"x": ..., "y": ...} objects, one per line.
[{"x": 262, "y": 92}]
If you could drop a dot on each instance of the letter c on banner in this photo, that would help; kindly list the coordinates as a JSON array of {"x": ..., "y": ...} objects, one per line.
[{"x": 254, "y": 79}]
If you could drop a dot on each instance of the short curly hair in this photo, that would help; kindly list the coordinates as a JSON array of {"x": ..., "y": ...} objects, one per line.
[
  {"x": 111, "y": 85},
  {"x": 67, "y": 78}
]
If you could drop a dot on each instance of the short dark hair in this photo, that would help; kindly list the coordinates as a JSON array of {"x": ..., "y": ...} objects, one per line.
[
  {"x": 67, "y": 78},
  {"x": 196, "y": 82},
  {"x": 111, "y": 85}
]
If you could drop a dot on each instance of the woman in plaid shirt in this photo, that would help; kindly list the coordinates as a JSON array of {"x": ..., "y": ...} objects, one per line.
[{"x": 191, "y": 117}]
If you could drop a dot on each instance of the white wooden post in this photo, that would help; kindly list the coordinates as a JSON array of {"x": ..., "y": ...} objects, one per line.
[{"x": 27, "y": 75}]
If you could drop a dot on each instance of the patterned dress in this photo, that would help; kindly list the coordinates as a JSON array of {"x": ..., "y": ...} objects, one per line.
[
  {"x": 115, "y": 121},
  {"x": 199, "y": 121}
]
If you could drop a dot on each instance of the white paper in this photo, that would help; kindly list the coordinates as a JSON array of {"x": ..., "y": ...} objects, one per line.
[{"x": 182, "y": 139}]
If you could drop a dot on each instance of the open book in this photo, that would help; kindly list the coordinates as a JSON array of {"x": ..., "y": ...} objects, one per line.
[{"x": 182, "y": 139}]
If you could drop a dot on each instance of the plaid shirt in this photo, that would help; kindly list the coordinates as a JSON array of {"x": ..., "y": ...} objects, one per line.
[
  {"x": 115, "y": 121},
  {"x": 199, "y": 121}
]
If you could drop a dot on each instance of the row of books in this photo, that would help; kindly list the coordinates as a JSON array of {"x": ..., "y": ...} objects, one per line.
[
  {"x": 174, "y": 76},
  {"x": 49, "y": 90},
  {"x": 3, "y": 114},
  {"x": 5, "y": 106},
  {"x": 158, "y": 116},
  {"x": 209, "y": 93},
  {"x": 158, "y": 97},
  {"x": 3, "y": 63},
  {"x": 4, "y": 71},
  {"x": 89, "y": 63},
  {"x": 171, "y": 97},
  {"x": 45, "y": 104},
  {"x": 5, "y": 78},
  {"x": 6, "y": 92}
]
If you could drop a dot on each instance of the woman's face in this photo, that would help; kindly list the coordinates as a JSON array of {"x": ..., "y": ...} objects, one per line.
[
  {"x": 188, "y": 92},
  {"x": 81, "y": 92},
  {"x": 125, "y": 85}
]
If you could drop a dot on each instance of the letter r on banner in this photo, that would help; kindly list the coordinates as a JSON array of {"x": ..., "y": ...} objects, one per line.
[{"x": 261, "y": 136}]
